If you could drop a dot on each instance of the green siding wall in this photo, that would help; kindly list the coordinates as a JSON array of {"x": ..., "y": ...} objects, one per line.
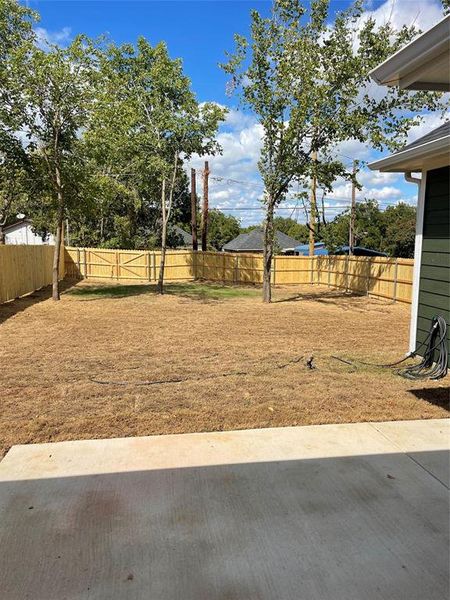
[{"x": 434, "y": 293}]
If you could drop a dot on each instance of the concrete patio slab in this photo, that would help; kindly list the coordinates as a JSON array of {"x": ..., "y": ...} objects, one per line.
[{"x": 341, "y": 512}]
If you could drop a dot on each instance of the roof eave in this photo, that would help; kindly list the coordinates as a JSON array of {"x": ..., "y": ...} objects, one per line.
[
  {"x": 422, "y": 51},
  {"x": 415, "y": 158}
]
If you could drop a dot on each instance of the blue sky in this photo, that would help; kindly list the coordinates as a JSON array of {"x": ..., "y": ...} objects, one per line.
[{"x": 200, "y": 32}]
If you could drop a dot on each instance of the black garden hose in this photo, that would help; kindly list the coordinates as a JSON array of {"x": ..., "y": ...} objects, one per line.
[{"x": 431, "y": 366}]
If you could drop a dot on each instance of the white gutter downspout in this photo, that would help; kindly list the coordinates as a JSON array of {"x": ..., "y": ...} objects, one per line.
[
  {"x": 417, "y": 256},
  {"x": 410, "y": 179}
]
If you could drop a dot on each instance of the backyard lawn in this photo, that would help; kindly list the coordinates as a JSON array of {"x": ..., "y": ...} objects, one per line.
[{"x": 118, "y": 360}]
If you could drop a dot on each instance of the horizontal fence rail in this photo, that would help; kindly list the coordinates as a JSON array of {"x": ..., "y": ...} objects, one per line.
[
  {"x": 24, "y": 269},
  {"x": 389, "y": 278}
]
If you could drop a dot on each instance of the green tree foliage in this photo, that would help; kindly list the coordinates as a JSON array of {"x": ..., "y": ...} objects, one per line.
[
  {"x": 298, "y": 231},
  {"x": 57, "y": 91},
  {"x": 391, "y": 231},
  {"x": 101, "y": 131},
  {"x": 400, "y": 223},
  {"x": 307, "y": 82},
  {"x": 147, "y": 121},
  {"x": 222, "y": 229},
  {"x": 16, "y": 33}
]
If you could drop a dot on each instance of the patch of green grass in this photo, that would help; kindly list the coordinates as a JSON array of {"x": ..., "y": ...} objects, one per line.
[{"x": 201, "y": 291}]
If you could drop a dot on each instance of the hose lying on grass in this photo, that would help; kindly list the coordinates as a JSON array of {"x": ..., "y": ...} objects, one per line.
[
  {"x": 203, "y": 378},
  {"x": 429, "y": 367}
]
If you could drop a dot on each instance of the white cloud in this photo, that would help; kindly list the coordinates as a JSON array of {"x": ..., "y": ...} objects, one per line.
[
  {"x": 423, "y": 14},
  {"x": 429, "y": 122},
  {"x": 234, "y": 180},
  {"x": 46, "y": 37},
  {"x": 382, "y": 193}
]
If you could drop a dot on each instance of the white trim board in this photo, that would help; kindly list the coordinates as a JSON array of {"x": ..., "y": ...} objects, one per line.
[
  {"x": 417, "y": 262},
  {"x": 408, "y": 68}
]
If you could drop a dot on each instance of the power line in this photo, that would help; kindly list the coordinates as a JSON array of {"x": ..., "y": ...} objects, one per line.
[{"x": 293, "y": 208}]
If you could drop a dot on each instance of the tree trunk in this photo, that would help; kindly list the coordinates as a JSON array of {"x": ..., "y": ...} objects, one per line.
[
  {"x": 268, "y": 252},
  {"x": 58, "y": 240},
  {"x": 166, "y": 211},
  {"x": 160, "y": 286},
  {"x": 2, "y": 236}
]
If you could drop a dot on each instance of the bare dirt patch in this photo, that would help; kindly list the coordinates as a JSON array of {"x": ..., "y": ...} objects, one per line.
[{"x": 228, "y": 362}]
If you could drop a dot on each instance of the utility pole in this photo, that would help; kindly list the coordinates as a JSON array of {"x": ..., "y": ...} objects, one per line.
[
  {"x": 194, "y": 210},
  {"x": 313, "y": 208},
  {"x": 205, "y": 207},
  {"x": 351, "y": 231}
]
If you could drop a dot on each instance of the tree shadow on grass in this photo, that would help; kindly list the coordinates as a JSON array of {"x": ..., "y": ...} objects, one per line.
[
  {"x": 324, "y": 297},
  {"x": 9, "y": 309},
  {"x": 195, "y": 291},
  {"x": 437, "y": 396}
]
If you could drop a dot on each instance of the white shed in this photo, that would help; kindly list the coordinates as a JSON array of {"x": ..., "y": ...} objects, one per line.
[{"x": 21, "y": 232}]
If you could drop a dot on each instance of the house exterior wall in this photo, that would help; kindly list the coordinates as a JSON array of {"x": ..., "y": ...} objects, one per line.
[
  {"x": 23, "y": 234},
  {"x": 433, "y": 296}
]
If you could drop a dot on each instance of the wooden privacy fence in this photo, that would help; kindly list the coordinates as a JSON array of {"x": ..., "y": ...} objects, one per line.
[
  {"x": 24, "y": 269},
  {"x": 389, "y": 278}
]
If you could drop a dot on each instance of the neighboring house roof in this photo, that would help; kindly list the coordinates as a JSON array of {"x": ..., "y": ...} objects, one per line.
[
  {"x": 187, "y": 237},
  {"x": 359, "y": 251},
  {"x": 423, "y": 64},
  {"x": 16, "y": 224},
  {"x": 431, "y": 149},
  {"x": 319, "y": 249},
  {"x": 254, "y": 242}
]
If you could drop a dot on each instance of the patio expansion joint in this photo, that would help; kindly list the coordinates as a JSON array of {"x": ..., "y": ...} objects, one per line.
[{"x": 409, "y": 455}]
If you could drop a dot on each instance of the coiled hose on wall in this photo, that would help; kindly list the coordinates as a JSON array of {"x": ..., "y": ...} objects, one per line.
[{"x": 434, "y": 364}]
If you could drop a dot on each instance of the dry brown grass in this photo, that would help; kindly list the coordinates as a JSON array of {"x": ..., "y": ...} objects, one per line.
[{"x": 50, "y": 351}]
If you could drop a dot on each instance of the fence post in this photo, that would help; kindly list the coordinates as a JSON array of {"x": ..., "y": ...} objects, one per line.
[
  {"x": 329, "y": 270},
  {"x": 235, "y": 269},
  {"x": 395, "y": 280}
]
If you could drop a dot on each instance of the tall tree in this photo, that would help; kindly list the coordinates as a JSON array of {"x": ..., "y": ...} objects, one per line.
[
  {"x": 16, "y": 34},
  {"x": 56, "y": 94},
  {"x": 159, "y": 121},
  {"x": 307, "y": 82}
]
